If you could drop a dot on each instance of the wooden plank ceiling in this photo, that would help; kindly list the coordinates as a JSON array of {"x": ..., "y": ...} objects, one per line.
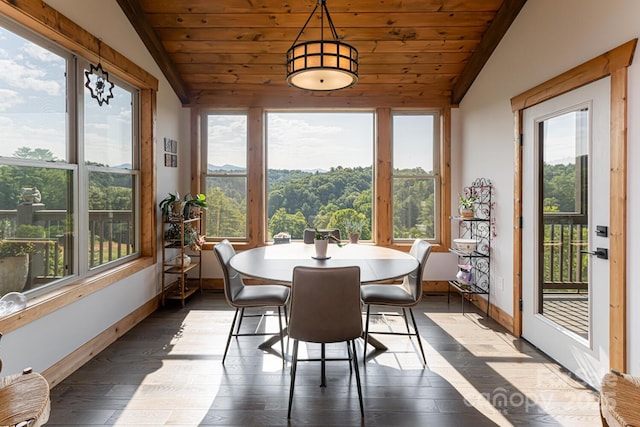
[{"x": 231, "y": 53}]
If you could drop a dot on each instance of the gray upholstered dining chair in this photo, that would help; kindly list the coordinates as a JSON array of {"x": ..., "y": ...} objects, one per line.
[
  {"x": 309, "y": 234},
  {"x": 240, "y": 296},
  {"x": 405, "y": 295},
  {"x": 325, "y": 308}
]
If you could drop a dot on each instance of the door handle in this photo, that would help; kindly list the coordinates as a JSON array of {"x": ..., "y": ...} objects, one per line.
[{"x": 602, "y": 253}]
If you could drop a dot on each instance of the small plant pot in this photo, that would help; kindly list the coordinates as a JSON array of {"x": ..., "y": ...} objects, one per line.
[
  {"x": 191, "y": 212},
  {"x": 176, "y": 211},
  {"x": 354, "y": 237},
  {"x": 467, "y": 213},
  {"x": 14, "y": 272},
  {"x": 321, "y": 248}
]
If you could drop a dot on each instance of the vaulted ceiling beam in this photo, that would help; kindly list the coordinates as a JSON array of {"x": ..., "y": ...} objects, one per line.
[
  {"x": 140, "y": 23},
  {"x": 498, "y": 28}
]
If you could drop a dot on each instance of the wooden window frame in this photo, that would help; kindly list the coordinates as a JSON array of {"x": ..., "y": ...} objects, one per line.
[
  {"x": 435, "y": 175},
  {"x": 49, "y": 23},
  {"x": 382, "y": 191},
  {"x": 202, "y": 166}
]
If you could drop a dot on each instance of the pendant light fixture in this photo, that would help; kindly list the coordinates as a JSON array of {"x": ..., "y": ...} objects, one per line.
[{"x": 322, "y": 65}]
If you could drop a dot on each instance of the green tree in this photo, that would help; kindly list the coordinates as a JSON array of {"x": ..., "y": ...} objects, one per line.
[
  {"x": 35, "y": 154},
  {"x": 339, "y": 218},
  {"x": 294, "y": 224},
  {"x": 559, "y": 186},
  {"x": 225, "y": 216}
]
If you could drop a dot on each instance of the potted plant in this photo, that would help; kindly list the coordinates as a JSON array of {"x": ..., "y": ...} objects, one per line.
[
  {"x": 171, "y": 206},
  {"x": 353, "y": 226},
  {"x": 14, "y": 264},
  {"x": 192, "y": 239},
  {"x": 466, "y": 204},
  {"x": 321, "y": 240},
  {"x": 193, "y": 204}
]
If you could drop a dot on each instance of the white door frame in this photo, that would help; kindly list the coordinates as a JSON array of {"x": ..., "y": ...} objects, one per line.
[
  {"x": 613, "y": 63},
  {"x": 585, "y": 355}
]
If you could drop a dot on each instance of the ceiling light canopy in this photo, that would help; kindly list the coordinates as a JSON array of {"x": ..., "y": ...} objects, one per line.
[{"x": 322, "y": 65}]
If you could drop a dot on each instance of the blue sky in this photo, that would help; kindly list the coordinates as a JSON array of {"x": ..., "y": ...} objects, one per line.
[
  {"x": 317, "y": 140},
  {"x": 562, "y": 144},
  {"x": 33, "y": 109},
  {"x": 33, "y": 114}
]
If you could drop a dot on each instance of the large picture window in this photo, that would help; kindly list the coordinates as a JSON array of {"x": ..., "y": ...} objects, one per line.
[
  {"x": 319, "y": 172},
  {"x": 68, "y": 167},
  {"x": 274, "y": 172}
]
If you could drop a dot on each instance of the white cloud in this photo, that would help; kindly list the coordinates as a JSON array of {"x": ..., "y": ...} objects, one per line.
[
  {"x": 21, "y": 76},
  {"x": 319, "y": 140},
  {"x": 9, "y": 98},
  {"x": 283, "y": 130},
  {"x": 95, "y": 126},
  {"x": 20, "y": 131},
  {"x": 297, "y": 140},
  {"x": 39, "y": 53},
  {"x": 227, "y": 140}
]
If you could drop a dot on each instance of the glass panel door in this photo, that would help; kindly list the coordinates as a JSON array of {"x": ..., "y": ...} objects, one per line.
[
  {"x": 563, "y": 295},
  {"x": 565, "y": 206}
]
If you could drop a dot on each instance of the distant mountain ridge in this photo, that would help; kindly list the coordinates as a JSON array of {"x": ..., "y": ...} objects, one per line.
[{"x": 227, "y": 167}]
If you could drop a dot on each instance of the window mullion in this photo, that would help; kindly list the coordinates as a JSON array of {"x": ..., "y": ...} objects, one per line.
[
  {"x": 383, "y": 212},
  {"x": 81, "y": 190},
  {"x": 255, "y": 178}
]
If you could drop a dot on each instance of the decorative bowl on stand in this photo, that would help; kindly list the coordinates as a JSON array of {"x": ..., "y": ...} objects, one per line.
[{"x": 465, "y": 245}]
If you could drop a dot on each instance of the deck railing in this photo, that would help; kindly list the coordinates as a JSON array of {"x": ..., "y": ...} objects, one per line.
[
  {"x": 112, "y": 232},
  {"x": 111, "y": 236},
  {"x": 564, "y": 266}
]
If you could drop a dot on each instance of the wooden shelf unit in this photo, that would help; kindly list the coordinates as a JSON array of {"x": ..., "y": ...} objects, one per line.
[{"x": 174, "y": 270}]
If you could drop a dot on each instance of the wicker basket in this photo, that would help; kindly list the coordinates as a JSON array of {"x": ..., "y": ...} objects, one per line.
[
  {"x": 24, "y": 398},
  {"x": 619, "y": 400}
]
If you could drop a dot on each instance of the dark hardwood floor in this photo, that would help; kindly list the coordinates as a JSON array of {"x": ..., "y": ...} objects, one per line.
[{"x": 168, "y": 371}]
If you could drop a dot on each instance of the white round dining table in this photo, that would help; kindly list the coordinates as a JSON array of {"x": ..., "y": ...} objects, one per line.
[{"x": 276, "y": 262}]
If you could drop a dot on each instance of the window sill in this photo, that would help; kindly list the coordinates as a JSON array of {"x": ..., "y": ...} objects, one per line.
[
  {"x": 404, "y": 247},
  {"x": 42, "y": 305}
]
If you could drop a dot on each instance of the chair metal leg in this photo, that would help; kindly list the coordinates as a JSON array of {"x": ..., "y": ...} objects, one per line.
[
  {"x": 366, "y": 335},
  {"x": 350, "y": 356},
  {"x": 406, "y": 321},
  {"x": 358, "y": 384},
  {"x": 415, "y": 327},
  {"x": 240, "y": 321},
  {"x": 323, "y": 373},
  {"x": 284, "y": 358},
  {"x": 294, "y": 365},
  {"x": 235, "y": 316},
  {"x": 286, "y": 322}
]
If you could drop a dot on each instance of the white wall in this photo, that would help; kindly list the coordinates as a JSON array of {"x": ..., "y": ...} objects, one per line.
[
  {"x": 547, "y": 38},
  {"x": 46, "y": 341}
]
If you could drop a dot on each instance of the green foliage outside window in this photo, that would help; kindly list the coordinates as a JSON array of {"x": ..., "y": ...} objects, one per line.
[{"x": 323, "y": 200}]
